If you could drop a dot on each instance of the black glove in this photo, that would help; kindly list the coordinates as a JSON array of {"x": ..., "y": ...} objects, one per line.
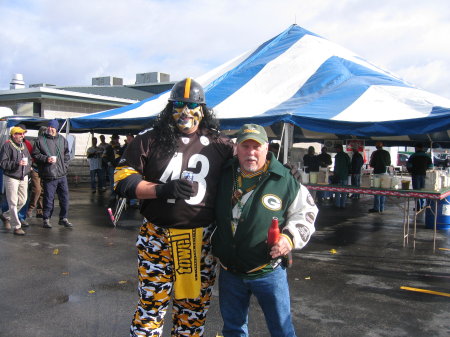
[
  {"x": 294, "y": 171},
  {"x": 175, "y": 189}
]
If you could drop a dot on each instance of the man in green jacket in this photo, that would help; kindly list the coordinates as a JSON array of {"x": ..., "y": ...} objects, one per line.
[{"x": 253, "y": 189}]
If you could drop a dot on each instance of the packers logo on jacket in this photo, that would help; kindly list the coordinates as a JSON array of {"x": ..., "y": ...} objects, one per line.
[{"x": 272, "y": 202}]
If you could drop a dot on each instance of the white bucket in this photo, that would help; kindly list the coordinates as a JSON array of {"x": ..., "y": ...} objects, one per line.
[
  {"x": 385, "y": 181},
  {"x": 376, "y": 182}
]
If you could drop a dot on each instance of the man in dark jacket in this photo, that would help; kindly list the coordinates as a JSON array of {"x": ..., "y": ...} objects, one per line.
[
  {"x": 341, "y": 173},
  {"x": 112, "y": 156},
  {"x": 311, "y": 161},
  {"x": 51, "y": 152},
  {"x": 418, "y": 164},
  {"x": 15, "y": 161},
  {"x": 324, "y": 158},
  {"x": 379, "y": 160},
  {"x": 357, "y": 163}
]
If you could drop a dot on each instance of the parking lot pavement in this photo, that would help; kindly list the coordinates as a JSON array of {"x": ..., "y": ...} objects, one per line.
[{"x": 347, "y": 282}]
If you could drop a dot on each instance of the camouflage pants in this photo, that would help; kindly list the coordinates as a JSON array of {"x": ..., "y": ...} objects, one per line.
[{"x": 155, "y": 269}]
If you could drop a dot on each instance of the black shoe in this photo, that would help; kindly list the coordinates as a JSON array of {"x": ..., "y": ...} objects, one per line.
[
  {"x": 94, "y": 191},
  {"x": 64, "y": 222},
  {"x": 39, "y": 215},
  {"x": 24, "y": 223},
  {"x": 47, "y": 223},
  {"x": 373, "y": 210}
]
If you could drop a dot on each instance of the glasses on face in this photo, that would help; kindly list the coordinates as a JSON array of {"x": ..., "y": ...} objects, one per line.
[{"x": 180, "y": 105}]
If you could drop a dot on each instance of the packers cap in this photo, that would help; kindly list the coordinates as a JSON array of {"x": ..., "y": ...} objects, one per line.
[{"x": 254, "y": 132}]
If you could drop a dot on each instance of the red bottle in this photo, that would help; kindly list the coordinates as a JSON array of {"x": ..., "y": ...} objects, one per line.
[{"x": 274, "y": 232}]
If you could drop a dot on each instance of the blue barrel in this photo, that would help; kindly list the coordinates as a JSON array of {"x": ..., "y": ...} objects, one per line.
[{"x": 443, "y": 214}]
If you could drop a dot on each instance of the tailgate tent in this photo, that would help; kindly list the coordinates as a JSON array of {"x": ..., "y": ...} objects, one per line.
[{"x": 298, "y": 77}]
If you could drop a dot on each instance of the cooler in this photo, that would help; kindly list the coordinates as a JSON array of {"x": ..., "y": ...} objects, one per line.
[{"x": 443, "y": 214}]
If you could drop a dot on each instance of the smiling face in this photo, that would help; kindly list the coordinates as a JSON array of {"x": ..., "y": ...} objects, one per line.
[
  {"x": 252, "y": 155},
  {"x": 17, "y": 137},
  {"x": 187, "y": 116},
  {"x": 51, "y": 131}
]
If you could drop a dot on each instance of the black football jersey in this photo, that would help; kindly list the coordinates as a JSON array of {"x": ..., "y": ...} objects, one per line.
[{"x": 200, "y": 153}]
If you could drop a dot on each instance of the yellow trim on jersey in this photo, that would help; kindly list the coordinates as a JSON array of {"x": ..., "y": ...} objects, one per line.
[
  {"x": 187, "y": 88},
  {"x": 122, "y": 172}
]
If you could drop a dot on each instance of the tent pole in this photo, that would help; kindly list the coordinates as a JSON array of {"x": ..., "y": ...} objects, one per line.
[
  {"x": 287, "y": 140},
  {"x": 431, "y": 149}
]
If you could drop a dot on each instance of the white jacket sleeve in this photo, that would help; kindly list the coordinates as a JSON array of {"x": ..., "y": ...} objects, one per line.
[{"x": 301, "y": 215}]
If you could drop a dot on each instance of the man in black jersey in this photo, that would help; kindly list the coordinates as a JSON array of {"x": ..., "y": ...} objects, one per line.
[{"x": 174, "y": 250}]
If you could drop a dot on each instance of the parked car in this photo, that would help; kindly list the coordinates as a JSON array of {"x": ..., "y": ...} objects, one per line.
[
  {"x": 441, "y": 160},
  {"x": 402, "y": 159}
]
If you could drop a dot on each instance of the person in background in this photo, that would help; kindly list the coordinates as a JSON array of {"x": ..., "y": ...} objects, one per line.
[
  {"x": 324, "y": 158},
  {"x": 254, "y": 188},
  {"x": 311, "y": 161},
  {"x": 15, "y": 161},
  {"x": 24, "y": 210},
  {"x": 379, "y": 160},
  {"x": 325, "y": 161},
  {"x": 112, "y": 156},
  {"x": 103, "y": 145},
  {"x": 134, "y": 203},
  {"x": 128, "y": 139},
  {"x": 357, "y": 163},
  {"x": 341, "y": 173},
  {"x": 37, "y": 192},
  {"x": 418, "y": 164},
  {"x": 51, "y": 153},
  {"x": 275, "y": 149},
  {"x": 94, "y": 156}
]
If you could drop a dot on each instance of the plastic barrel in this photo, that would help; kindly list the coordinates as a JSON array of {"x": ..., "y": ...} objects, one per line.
[{"x": 443, "y": 214}]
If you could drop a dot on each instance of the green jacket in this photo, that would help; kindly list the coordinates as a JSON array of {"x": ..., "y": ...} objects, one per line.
[
  {"x": 279, "y": 195},
  {"x": 342, "y": 165}
]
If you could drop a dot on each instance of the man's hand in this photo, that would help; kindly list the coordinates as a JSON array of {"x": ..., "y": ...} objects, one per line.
[
  {"x": 281, "y": 248},
  {"x": 175, "y": 189}
]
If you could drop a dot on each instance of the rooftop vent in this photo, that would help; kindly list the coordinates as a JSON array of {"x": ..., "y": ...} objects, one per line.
[
  {"x": 38, "y": 85},
  {"x": 17, "y": 82},
  {"x": 107, "y": 80},
  {"x": 153, "y": 77}
]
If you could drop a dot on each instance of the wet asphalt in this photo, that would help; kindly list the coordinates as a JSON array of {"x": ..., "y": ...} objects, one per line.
[{"x": 346, "y": 282}]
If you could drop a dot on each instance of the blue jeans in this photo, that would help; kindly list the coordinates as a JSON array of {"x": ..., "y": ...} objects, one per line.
[
  {"x": 356, "y": 181},
  {"x": 272, "y": 293},
  {"x": 418, "y": 182},
  {"x": 111, "y": 177},
  {"x": 378, "y": 202},
  {"x": 98, "y": 173},
  {"x": 340, "y": 198}
]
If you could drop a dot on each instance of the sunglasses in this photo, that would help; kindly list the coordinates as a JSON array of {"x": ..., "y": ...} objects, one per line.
[{"x": 180, "y": 104}]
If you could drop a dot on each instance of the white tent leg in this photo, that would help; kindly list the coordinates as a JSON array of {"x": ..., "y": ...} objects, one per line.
[{"x": 288, "y": 136}]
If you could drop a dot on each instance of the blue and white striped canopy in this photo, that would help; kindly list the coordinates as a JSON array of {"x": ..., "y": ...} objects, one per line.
[{"x": 298, "y": 77}]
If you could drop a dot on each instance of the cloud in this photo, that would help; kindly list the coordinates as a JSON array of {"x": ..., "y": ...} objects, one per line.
[{"x": 68, "y": 42}]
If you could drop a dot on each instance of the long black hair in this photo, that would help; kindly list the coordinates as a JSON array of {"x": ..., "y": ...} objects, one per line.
[{"x": 167, "y": 133}]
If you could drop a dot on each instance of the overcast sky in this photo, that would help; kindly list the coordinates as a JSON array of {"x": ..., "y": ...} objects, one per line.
[{"x": 67, "y": 42}]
